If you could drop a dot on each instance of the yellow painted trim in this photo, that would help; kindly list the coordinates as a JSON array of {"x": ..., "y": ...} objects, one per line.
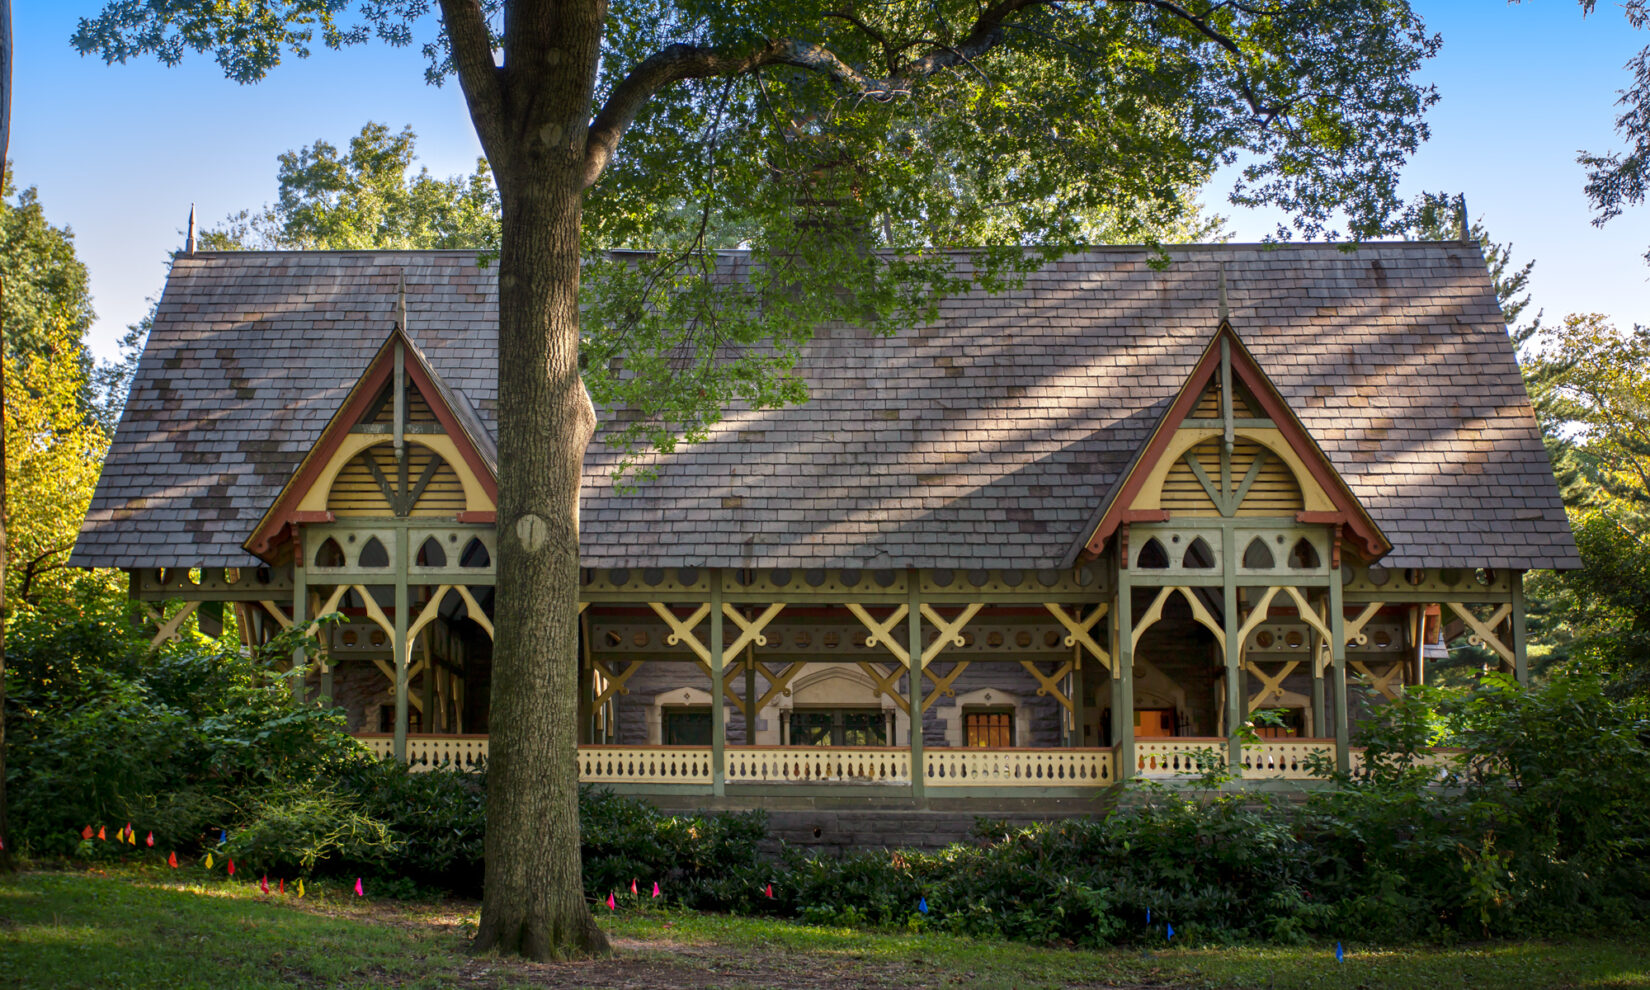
[
  {"x": 1313, "y": 497},
  {"x": 475, "y": 496}
]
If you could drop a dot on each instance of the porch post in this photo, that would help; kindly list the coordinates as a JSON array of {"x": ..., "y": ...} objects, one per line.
[
  {"x": 751, "y": 697},
  {"x": 1319, "y": 728},
  {"x": 718, "y": 714},
  {"x": 1079, "y": 688},
  {"x": 1520, "y": 648},
  {"x": 326, "y": 671},
  {"x": 403, "y": 649},
  {"x": 300, "y": 602},
  {"x": 1236, "y": 698},
  {"x": 1337, "y": 659},
  {"x": 1122, "y": 684},
  {"x": 913, "y": 677},
  {"x": 427, "y": 683}
]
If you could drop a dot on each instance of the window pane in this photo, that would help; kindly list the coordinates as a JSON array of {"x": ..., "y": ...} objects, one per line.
[
  {"x": 864, "y": 728},
  {"x": 993, "y": 729},
  {"x": 687, "y": 727},
  {"x": 810, "y": 728}
]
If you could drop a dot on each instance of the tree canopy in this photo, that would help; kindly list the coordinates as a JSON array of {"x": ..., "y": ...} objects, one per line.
[
  {"x": 367, "y": 196},
  {"x": 1617, "y": 180}
]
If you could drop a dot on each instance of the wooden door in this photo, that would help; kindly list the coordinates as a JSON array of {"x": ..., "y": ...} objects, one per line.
[{"x": 1153, "y": 722}]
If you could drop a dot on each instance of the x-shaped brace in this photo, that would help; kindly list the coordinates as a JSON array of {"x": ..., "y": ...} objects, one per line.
[
  {"x": 1269, "y": 685},
  {"x": 887, "y": 682},
  {"x": 1484, "y": 633},
  {"x": 681, "y": 631},
  {"x": 942, "y": 685},
  {"x": 615, "y": 682},
  {"x": 777, "y": 683},
  {"x": 882, "y": 633},
  {"x": 170, "y": 627},
  {"x": 750, "y": 630},
  {"x": 1051, "y": 684},
  {"x": 1383, "y": 682},
  {"x": 1079, "y": 631}
]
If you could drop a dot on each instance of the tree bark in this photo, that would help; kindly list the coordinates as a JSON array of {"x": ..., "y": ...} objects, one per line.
[{"x": 533, "y": 901}]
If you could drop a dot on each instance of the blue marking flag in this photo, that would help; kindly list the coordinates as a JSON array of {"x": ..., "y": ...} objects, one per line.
[
  {"x": 223, "y": 836},
  {"x": 1339, "y": 955},
  {"x": 922, "y": 905},
  {"x": 1171, "y": 933},
  {"x": 1148, "y": 916}
]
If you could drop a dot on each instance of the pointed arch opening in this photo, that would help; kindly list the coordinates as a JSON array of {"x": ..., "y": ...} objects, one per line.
[
  {"x": 475, "y": 554},
  {"x": 329, "y": 554},
  {"x": 1198, "y": 556},
  {"x": 1257, "y": 556},
  {"x": 430, "y": 554},
  {"x": 1152, "y": 556},
  {"x": 1303, "y": 556},
  {"x": 373, "y": 554}
]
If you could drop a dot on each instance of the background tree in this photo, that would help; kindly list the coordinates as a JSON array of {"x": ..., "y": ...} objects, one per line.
[
  {"x": 366, "y": 197},
  {"x": 5, "y": 172},
  {"x": 1615, "y": 180},
  {"x": 851, "y": 148}
]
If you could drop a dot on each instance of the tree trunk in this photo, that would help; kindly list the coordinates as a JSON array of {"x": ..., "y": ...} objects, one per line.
[{"x": 533, "y": 901}]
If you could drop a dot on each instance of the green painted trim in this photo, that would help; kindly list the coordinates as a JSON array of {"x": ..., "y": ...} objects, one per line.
[
  {"x": 1337, "y": 661},
  {"x": 1122, "y": 713},
  {"x": 1249, "y": 478},
  {"x": 718, "y": 704},
  {"x": 1520, "y": 646},
  {"x": 914, "y": 682},
  {"x": 300, "y": 608},
  {"x": 1240, "y": 422},
  {"x": 1425, "y": 597},
  {"x": 399, "y": 644}
]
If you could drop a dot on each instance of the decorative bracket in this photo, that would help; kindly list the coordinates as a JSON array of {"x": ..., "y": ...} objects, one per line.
[
  {"x": 1078, "y": 631},
  {"x": 1050, "y": 685}
]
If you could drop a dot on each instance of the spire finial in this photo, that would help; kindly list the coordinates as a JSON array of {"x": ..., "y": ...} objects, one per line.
[
  {"x": 1461, "y": 218},
  {"x": 1224, "y": 313},
  {"x": 189, "y": 241},
  {"x": 401, "y": 304}
]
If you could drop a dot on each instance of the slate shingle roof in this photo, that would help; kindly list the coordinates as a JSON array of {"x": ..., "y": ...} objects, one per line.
[{"x": 983, "y": 440}]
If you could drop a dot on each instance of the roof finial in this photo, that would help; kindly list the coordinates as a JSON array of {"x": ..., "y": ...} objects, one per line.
[
  {"x": 1461, "y": 218},
  {"x": 189, "y": 241},
  {"x": 401, "y": 304},
  {"x": 1223, "y": 310}
]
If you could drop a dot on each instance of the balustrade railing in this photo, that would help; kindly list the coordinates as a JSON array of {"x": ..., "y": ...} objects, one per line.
[
  {"x": 1019, "y": 767},
  {"x": 829, "y": 765},
  {"x": 1158, "y": 756},
  {"x": 427, "y": 752},
  {"x": 644, "y": 764},
  {"x": 1287, "y": 759}
]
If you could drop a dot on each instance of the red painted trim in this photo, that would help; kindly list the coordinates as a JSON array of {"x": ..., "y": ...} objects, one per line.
[
  {"x": 1248, "y": 371},
  {"x": 312, "y": 516},
  {"x": 1184, "y": 403},
  {"x": 373, "y": 380},
  {"x": 477, "y": 517},
  {"x": 1145, "y": 515},
  {"x": 1321, "y": 518}
]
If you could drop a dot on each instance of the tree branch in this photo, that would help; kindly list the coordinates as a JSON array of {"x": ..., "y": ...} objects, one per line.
[{"x": 478, "y": 76}]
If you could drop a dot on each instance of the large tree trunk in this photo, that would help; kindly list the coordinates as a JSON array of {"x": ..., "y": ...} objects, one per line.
[{"x": 533, "y": 903}]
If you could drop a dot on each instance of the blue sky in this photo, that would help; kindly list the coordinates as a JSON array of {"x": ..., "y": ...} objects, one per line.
[{"x": 120, "y": 152}]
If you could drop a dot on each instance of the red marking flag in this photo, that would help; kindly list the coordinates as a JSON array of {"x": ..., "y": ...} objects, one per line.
[
  {"x": 263, "y": 884},
  {"x": 231, "y": 867},
  {"x": 86, "y": 833},
  {"x": 283, "y": 886},
  {"x": 172, "y": 860},
  {"x": 633, "y": 885},
  {"x": 150, "y": 840},
  {"x": 769, "y": 891}
]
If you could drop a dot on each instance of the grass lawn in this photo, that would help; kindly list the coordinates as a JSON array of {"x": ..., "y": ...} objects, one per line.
[{"x": 139, "y": 927}]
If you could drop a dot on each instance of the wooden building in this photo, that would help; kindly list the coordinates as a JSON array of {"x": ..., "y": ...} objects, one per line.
[{"x": 1061, "y": 536}]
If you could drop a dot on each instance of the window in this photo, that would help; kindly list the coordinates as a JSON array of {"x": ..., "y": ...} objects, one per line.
[
  {"x": 1294, "y": 725},
  {"x": 993, "y": 728},
  {"x": 838, "y": 727},
  {"x": 686, "y": 727}
]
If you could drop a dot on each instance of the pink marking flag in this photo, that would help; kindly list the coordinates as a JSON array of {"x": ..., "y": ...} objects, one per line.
[
  {"x": 633, "y": 885},
  {"x": 358, "y": 891},
  {"x": 150, "y": 840},
  {"x": 769, "y": 891},
  {"x": 655, "y": 888},
  {"x": 611, "y": 906},
  {"x": 263, "y": 884}
]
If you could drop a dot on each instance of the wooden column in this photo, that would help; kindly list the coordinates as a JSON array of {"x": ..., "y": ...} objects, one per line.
[
  {"x": 718, "y": 713},
  {"x": 1520, "y": 646},
  {"x": 1320, "y": 646},
  {"x": 427, "y": 683},
  {"x": 326, "y": 668},
  {"x": 913, "y": 673},
  {"x": 403, "y": 649},
  {"x": 1236, "y": 699},
  {"x": 751, "y": 697},
  {"x": 1337, "y": 661},
  {"x": 1122, "y": 681},
  {"x": 1079, "y": 692},
  {"x": 300, "y": 611}
]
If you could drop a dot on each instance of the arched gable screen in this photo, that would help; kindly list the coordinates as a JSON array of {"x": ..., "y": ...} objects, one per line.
[{"x": 374, "y": 483}]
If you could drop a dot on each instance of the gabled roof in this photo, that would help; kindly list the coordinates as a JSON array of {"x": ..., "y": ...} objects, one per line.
[
  {"x": 474, "y": 442},
  {"x": 984, "y": 439},
  {"x": 1248, "y": 374}
]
